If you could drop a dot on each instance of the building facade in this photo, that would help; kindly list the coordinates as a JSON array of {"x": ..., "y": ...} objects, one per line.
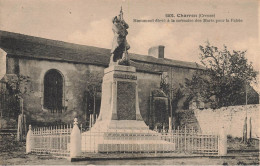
[{"x": 60, "y": 81}]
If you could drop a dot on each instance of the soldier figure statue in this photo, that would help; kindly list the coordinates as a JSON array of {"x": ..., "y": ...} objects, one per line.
[{"x": 119, "y": 54}]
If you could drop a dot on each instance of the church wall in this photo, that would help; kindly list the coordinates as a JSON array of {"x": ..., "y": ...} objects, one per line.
[
  {"x": 178, "y": 75},
  {"x": 146, "y": 82},
  {"x": 2, "y": 63},
  {"x": 12, "y": 65},
  {"x": 77, "y": 77}
]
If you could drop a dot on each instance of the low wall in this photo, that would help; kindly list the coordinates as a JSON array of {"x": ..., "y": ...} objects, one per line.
[{"x": 232, "y": 118}]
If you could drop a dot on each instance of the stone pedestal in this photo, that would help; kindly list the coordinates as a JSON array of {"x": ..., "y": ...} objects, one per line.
[{"x": 120, "y": 116}]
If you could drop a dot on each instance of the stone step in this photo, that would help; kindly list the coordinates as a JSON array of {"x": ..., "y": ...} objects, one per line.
[
  {"x": 130, "y": 146},
  {"x": 136, "y": 147}
]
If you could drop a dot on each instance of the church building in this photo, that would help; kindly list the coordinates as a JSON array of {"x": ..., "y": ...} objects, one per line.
[{"x": 58, "y": 81}]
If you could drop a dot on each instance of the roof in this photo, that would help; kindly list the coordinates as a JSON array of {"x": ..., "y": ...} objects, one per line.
[{"x": 35, "y": 47}]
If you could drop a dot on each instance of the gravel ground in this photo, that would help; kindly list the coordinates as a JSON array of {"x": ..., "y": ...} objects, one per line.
[{"x": 244, "y": 158}]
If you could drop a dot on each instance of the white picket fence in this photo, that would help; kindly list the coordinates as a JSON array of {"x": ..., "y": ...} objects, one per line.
[
  {"x": 192, "y": 141},
  {"x": 62, "y": 140},
  {"x": 54, "y": 140}
]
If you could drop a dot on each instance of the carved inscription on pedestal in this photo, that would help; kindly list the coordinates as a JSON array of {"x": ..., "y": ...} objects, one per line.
[
  {"x": 125, "y": 76},
  {"x": 126, "y": 100}
]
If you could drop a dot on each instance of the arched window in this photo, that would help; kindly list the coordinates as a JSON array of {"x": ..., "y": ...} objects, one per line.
[{"x": 53, "y": 91}]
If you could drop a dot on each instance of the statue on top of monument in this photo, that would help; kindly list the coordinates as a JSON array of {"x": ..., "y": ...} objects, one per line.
[{"x": 119, "y": 54}]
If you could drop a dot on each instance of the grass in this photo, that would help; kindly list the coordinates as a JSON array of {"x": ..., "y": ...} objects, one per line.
[
  {"x": 9, "y": 144},
  {"x": 236, "y": 144}
]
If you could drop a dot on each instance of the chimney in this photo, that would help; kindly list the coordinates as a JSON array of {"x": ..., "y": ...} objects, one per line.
[{"x": 156, "y": 51}]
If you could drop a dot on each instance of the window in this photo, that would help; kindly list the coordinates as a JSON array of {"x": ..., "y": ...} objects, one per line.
[{"x": 53, "y": 91}]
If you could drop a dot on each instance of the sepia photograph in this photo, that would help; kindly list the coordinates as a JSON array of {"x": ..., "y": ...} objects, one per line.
[{"x": 129, "y": 82}]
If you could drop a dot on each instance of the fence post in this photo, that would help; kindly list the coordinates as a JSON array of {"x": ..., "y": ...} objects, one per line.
[
  {"x": 29, "y": 140},
  {"x": 75, "y": 140},
  {"x": 170, "y": 124},
  {"x": 222, "y": 145}
]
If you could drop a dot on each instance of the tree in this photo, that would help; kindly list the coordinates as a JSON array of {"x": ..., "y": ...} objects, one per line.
[
  {"x": 225, "y": 78},
  {"x": 19, "y": 86},
  {"x": 173, "y": 94}
]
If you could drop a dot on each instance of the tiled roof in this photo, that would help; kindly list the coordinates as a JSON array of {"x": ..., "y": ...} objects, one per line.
[{"x": 40, "y": 48}]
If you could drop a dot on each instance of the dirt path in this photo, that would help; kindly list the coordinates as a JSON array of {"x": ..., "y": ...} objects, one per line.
[{"x": 243, "y": 158}]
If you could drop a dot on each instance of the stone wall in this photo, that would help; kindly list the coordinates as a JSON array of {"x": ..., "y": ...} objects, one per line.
[
  {"x": 232, "y": 118},
  {"x": 146, "y": 83},
  {"x": 2, "y": 63},
  {"x": 77, "y": 78},
  {"x": 178, "y": 73}
]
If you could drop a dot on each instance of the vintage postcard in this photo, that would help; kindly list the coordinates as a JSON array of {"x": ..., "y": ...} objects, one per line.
[{"x": 129, "y": 82}]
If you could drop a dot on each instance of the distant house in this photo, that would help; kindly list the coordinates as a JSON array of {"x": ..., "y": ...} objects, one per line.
[{"x": 63, "y": 80}]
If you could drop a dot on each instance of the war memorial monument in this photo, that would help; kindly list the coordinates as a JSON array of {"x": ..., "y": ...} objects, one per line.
[{"x": 120, "y": 123}]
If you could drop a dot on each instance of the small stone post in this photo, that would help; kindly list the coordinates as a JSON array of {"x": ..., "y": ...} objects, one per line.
[
  {"x": 222, "y": 145},
  {"x": 29, "y": 140},
  {"x": 245, "y": 131},
  {"x": 75, "y": 140},
  {"x": 250, "y": 129},
  {"x": 170, "y": 124}
]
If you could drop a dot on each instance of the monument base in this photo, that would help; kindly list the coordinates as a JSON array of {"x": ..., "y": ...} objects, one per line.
[
  {"x": 125, "y": 141},
  {"x": 120, "y": 127}
]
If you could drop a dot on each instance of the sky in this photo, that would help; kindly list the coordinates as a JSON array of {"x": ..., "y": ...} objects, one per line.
[{"x": 89, "y": 22}]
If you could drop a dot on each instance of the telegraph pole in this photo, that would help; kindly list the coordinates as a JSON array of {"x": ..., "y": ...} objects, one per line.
[
  {"x": 170, "y": 119},
  {"x": 245, "y": 123}
]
